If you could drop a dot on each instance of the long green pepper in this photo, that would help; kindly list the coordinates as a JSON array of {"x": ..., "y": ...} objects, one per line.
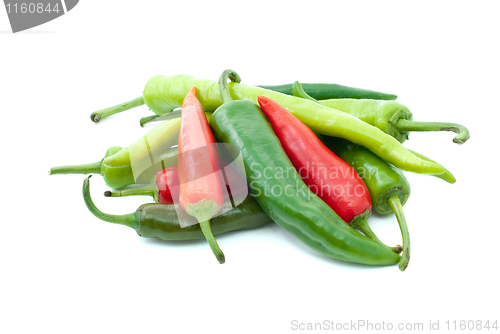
[
  {"x": 296, "y": 208},
  {"x": 167, "y": 93},
  {"x": 155, "y": 220}
]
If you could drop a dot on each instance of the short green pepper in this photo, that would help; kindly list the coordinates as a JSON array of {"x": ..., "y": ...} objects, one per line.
[{"x": 136, "y": 163}]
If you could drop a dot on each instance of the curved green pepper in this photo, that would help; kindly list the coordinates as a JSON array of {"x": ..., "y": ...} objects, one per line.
[
  {"x": 136, "y": 163},
  {"x": 155, "y": 220},
  {"x": 393, "y": 118},
  {"x": 281, "y": 193}
]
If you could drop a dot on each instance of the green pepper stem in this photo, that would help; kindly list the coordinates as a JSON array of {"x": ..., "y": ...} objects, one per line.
[
  {"x": 130, "y": 220},
  {"x": 223, "y": 88},
  {"x": 397, "y": 208},
  {"x": 96, "y": 116},
  {"x": 147, "y": 119},
  {"x": 92, "y": 168},
  {"x": 207, "y": 232},
  {"x": 132, "y": 192},
  {"x": 405, "y": 125},
  {"x": 362, "y": 226}
]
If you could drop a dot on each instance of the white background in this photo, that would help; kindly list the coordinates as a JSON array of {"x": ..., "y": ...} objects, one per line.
[{"x": 65, "y": 271}]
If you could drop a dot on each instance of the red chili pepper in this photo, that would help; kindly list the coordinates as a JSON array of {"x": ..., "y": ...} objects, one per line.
[
  {"x": 165, "y": 180},
  {"x": 328, "y": 176},
  {"x": 200, "y": 193}
]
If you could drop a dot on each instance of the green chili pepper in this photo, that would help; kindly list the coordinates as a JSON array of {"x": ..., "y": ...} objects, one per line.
[
  {"x": 393, "y": 118},
  {"x": 136, "y": 163},
  {"x": 319, "y": 91},
  {"x": 279, "y": 190},
  {"x": 168, "y": 93},
  {"x": 155, "y": 220},
  {"x": 388, "y": 188}
]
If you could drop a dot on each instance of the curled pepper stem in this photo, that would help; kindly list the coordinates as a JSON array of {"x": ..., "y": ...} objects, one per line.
[
  {"x": 92, "y": 168},
  {"x": 207, "y": 232},
  {"x": 129, "y": 220},
  {"x": 96, "y": 116},
  {"x": 223, "y": 88},
  {"x": 397, "y": 208},
  {"x": 362, "y": 226},
  {"x": 405, "y": 125}
]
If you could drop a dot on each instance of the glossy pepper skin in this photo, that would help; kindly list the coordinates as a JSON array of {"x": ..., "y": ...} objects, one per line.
[
  {"x": 296, "y": 208},
  {"x": 320, "y": 119},
  {"x": 155, "y": 220},
  {"x": 393, "y": 118},
  {"x": 152, "y": 96},
  {"x": 133, "y": 164}
]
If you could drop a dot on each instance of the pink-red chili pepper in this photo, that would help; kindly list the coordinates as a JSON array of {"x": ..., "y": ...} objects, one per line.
[
  {"x": 326, "y": 175},
  {"x": 200, "y": 192},
  {"x": 165, "y": 180}
]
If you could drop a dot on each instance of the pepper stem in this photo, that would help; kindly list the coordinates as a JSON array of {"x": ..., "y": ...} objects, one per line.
[
  {"x": 133, "y": 192},
  {"x": 203, "y": 210},
  {"x": 207, "y": 232},
  {"x": 405, "y": 125},
  {"x": 362, "y": 225},
  {"x": 223, "y": 88},
  {"x": 175, "y": 113},
  {"x": 397, "y": 208},
  {"x": 147, "y": 119},
  {"x": 92, "y": 168},
  {"x": 130, "y": 220},
  {"x": 96, "y": 116}
]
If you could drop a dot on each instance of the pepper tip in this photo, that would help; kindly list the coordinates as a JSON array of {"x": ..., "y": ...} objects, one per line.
[
  {"x": 221, "y": 258},
  {"x": 95, "y": 117}
]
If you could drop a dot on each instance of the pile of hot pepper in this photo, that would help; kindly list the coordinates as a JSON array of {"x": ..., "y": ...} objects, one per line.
[{"x": 315, "y": 158}]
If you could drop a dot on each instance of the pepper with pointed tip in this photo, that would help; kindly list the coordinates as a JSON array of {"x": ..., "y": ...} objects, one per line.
[
  {"x": 154, "y": 220},
  {"x": 279, "y": 190},
  {"x": 200, "y": 192}
]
